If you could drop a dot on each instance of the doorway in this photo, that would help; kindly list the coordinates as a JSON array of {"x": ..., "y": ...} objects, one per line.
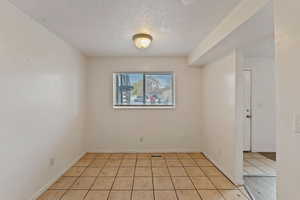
[
  {"x": 258, "y": 120},
  {"x": 247, "y": 109}
]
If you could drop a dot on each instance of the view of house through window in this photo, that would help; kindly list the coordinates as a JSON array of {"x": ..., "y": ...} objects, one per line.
[{"x": 143, "y": 89}]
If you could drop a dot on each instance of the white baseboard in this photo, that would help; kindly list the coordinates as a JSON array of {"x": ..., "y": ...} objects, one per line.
[
  {"x": 53, "y": 180},
  {"x": 104, "y": 150}
]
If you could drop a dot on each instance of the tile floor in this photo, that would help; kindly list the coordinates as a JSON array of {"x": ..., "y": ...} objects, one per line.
[
  {"x": 256, "y": 164},
  {"x": 173, "y": 176}
]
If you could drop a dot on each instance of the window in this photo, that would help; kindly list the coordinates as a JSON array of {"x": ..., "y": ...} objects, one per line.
[{"x": 143, "y": 89}]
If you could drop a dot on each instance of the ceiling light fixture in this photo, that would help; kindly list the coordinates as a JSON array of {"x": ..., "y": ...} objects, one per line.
[{"x": 142, "y": 40}]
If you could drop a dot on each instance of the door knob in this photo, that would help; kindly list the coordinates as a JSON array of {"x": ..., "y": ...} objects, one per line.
[{"x": 248, "y": 116}]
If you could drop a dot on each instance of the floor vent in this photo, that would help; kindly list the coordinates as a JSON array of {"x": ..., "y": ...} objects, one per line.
[{"x": 156, "y": 156}]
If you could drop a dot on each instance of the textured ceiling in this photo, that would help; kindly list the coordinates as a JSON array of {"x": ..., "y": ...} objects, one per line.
[{"x": 105, "y": 27}]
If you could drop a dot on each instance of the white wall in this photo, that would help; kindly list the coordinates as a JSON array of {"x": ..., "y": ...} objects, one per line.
[
  {"x": 219, "y": 115},
  {"x": 119, "y": 130},
  {"x": 263, "y": 104},
  {"x": 42, "y": 112},
  {"x": 287, "y": 33}
]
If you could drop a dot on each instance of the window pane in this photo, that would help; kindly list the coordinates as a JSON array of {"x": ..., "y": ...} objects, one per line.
[
  {"x": 159, "y": 89},
  {"x": 130, "y": 89}
]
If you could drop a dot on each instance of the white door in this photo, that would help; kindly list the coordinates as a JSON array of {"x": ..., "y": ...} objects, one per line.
[{"x": 247, "y": 77}]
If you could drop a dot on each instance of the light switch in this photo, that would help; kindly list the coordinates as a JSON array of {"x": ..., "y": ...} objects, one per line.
[{"x": 297, "y": 123}]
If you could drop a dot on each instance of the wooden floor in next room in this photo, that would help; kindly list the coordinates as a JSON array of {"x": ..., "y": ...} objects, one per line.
[{"x": 260, "y": 175}]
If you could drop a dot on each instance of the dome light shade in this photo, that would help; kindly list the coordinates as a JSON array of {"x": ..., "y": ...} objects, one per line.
[{"x": 142, "y": 40}]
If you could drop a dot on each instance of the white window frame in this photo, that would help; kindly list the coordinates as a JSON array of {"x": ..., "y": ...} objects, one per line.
[{"x": 115, "y": 106}]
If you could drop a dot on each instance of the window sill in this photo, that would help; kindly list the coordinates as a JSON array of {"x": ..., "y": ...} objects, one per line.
[{"x": 145, "y": 107}]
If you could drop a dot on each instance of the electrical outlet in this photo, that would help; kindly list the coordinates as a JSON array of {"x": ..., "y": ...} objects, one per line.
[
  {"x": 141, "y": 139},
  {"x": 52, "y": 162}
]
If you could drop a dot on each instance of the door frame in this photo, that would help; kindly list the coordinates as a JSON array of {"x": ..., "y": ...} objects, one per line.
[{"x": 249, "y": 69}]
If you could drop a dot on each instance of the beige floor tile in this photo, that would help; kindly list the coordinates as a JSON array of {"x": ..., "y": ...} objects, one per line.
[
  {"x": 84, "y": 183},
  {"x": 114, "y": 159},
  {"x": 172, "y": 159},
  {"x": 188, "y": 195},
  {"x": 117, "y": 155},
  {"x": 222, "y": 183},
  {"x": 52, "y": 195},
  {"x": 183, "y": 155},
  {"x": 197, "y": 155},
  {"x": 163, "y": 183},
  {"x": 143, "y": 183},
  {"x": 188, "y": 163},
  {"x": 203, "y": 163},
  {"x": 202, "y": 183},
  {"x": 74, "y": 171},
  {"x": 75, "y": 195},
  {"x": 119, "y": 195},
  {"x": 182, "y": 183},
  {"x": 128, "y": 163},
  {"x": 91, "y": 171},
  {"x": 84, "y": 163},
  {"x": 130, "y": 155},
  {"x": 109, "y": 171},
  {"x": 143, "y": 163},
  {"x": 143, "y": 155},
  {"x": 143, "y": 171},
  {"x": 103, "y": 183},
  {"x": 113, "y": 163},
  {"x": 126, "y": 171},
  {"x": 210, "y": 195},
  {"x": 174, "y": 163},
  {"x": 194, "y": 171},
  {"x": 159, "y": 163},
  {"x": 170, "y": 155},
  {"x": 142, "y": 195},
  {"x": 211, "y": 171},
  {"x": 186, "y": 159},
  {"x": 103, "y": 155},
  {"x": 233, "y": 195},
  {"x": 177, "y": 171},
  {"x": 85, "y": 159},
  {"x": 98, "y": 163},
  {"x": 90, "y": 155},
  {"x": 160, "y": 171},
  {"x": 165, "y": 195},
  {"x": 123, "y": 183},
  {"x": 99, "y": 173},
  {"x": 64, "y": 183},
  {"x": 97, "y": 195}
]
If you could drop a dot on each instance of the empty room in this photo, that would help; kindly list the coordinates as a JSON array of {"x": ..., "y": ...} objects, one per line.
[{"x": 149, "y": 100}]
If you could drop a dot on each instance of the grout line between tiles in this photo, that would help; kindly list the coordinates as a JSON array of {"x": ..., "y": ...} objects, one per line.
[
  {"x": 164, "y": 159},
  {"x": 191, "y": 180},
  {"x": 115, "y": 177},
  {"x": 173, "y": 183}
]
